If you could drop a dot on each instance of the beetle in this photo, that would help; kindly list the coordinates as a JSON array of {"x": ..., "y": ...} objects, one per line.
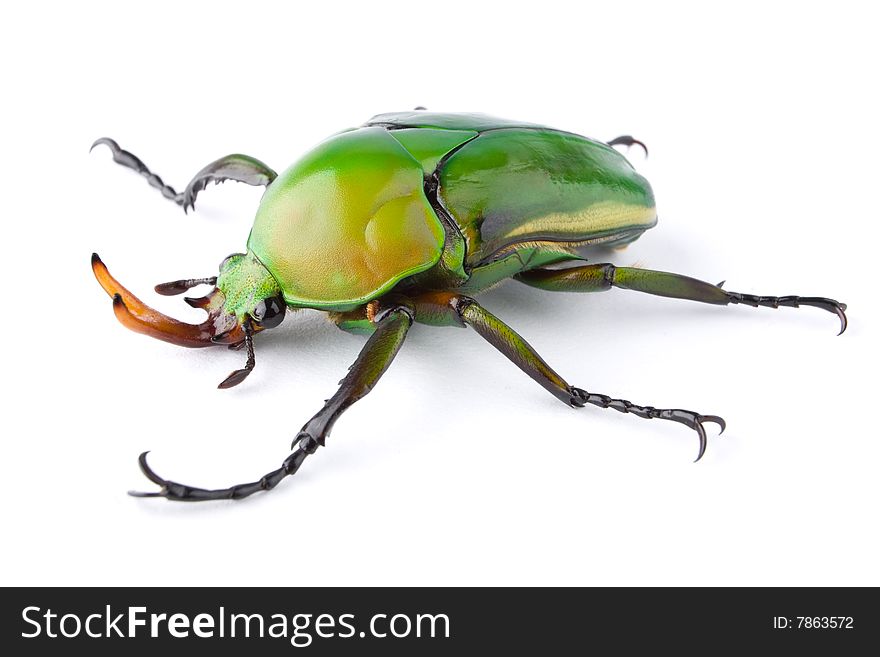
[{"x": 402, "y": 220}]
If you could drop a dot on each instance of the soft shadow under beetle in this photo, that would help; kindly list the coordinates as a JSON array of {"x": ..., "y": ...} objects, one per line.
[{"x": 401, "y": 221}]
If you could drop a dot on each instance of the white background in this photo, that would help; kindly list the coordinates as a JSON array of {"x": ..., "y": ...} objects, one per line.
[{"x": 762, "y": 122}]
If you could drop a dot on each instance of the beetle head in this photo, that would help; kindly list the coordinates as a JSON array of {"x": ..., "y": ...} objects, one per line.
[{"x": 246, "y": 294}]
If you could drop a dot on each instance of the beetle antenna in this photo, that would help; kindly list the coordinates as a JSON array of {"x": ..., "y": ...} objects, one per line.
[{"x": 240, "y": 375}]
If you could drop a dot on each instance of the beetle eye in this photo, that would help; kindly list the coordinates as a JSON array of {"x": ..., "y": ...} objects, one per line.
[{"x": 269, "y": 313}]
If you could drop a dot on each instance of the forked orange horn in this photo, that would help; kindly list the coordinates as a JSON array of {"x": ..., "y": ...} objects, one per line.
[{"x": 139, "y": 317}]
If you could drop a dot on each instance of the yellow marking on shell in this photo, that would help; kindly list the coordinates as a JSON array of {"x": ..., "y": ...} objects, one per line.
[
  {"x": 544, "y": 245},
  {"x": 594, "y": 219},
  {"x": 566, "y": 247}
]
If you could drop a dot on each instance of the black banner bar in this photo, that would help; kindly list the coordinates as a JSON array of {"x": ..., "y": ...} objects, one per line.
[{"x": 437, "y": 621}]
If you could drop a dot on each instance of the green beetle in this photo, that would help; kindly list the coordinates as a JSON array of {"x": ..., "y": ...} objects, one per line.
[{"x": 401, "y": 221}]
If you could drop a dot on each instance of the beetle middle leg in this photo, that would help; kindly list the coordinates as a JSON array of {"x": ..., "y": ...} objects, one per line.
[
  {"x": 601, "y": 277},
  {"x": 241, "y": 168},
  {"x": 391, "y": 326},
  {"x": 439, "y": 308}
]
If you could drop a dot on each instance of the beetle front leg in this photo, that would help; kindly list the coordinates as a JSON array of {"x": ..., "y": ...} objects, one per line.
[
  {"x": 241, "y": 168},
  {"x": 600, "y": 277},
  {"x": 392, "y": 324},
  {"x": 444, "y": 308}
]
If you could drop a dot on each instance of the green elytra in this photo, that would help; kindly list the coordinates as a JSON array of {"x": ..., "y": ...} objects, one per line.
[
  {"x": 352, "y": 219},
  {"x": 401, "y": 221}
]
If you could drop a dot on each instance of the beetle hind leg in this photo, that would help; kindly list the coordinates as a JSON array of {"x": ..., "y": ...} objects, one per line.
[
  {"x": 601, "y": 277},
  {"x": 241, "y": 168},
  {"x": 829, "y": 305}
]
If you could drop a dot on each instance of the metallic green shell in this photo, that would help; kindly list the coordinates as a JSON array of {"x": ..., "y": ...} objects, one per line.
[
  {"x": 526, "y": 190},
  {"x": 428, "y": 145},
  {"x": 347, "y": 222},
  {"x": 517, "y": 186},
  {"x": 441, "y": 197},
  {"x": 446, "y": 121}
]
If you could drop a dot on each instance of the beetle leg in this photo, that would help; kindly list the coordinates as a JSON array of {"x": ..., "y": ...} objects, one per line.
[
  {"x": 392, "y": 325},
  {"x": 829, "y": 305},
  {"x": 461, "y": 310},
  {"x": 134, "y": 163},
  {"x": 241, "y": 168},
  {"x": 629, "y": 142},
  {"x": 600, "y": 277}
]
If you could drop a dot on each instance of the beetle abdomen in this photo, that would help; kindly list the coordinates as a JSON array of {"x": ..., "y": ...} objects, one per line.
[{"x": 518, "y": 186}]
